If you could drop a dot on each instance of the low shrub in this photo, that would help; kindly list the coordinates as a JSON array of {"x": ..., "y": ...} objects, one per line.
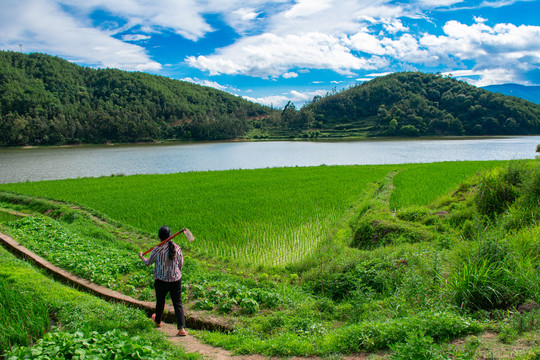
[
  {"x": 494, "y": 195},
  {"x": 371, "y": 233},
  {"x": 378, "y": 335},
  {"x": 501, "y": 272},
  {"x": 417, "y": 346}
]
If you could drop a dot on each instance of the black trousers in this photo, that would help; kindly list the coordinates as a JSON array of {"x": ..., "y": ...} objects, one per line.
[{"x": 175, "y": 288}]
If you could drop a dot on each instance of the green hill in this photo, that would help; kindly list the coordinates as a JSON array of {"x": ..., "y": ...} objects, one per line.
[
  {"x": 414, "y": 103},
  {"x": 48, "y": 100}
]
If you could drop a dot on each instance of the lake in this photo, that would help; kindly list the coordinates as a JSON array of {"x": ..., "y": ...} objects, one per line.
[{"x": 33, "y": 164}]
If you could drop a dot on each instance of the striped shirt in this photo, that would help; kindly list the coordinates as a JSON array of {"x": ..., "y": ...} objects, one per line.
[{"x": 166, "y": 270}]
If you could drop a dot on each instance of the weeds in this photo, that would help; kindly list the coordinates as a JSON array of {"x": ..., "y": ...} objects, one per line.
[{"x": 25, "y": 315}]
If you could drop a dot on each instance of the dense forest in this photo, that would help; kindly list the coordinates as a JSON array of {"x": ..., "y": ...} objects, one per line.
[
  {"x": 415, "y": 104},
  {"x": 48, "y": 100}
]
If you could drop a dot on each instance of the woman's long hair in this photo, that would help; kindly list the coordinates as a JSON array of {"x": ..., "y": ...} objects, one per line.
[{"x": 164, "y": 233}]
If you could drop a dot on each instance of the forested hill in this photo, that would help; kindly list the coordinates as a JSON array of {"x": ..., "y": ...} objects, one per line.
[
  {"x": 414, "y": 103},
  {"x": 47, "y": 100}
]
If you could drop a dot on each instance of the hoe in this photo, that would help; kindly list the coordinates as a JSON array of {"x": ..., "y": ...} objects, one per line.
[{"x": 186, "y": 232}]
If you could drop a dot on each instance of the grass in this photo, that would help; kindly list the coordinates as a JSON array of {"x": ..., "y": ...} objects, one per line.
[
  {"x": 265, "y": 217},
  {"x": 428, "y": 280},
  {"x": 25, "y": 316},
  {"x": 420, "y": 184},
  {"x": 270, "y": 217}
]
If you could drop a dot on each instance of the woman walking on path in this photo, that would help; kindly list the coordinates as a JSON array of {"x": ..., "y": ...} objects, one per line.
[{"x": 168, "y": 278}]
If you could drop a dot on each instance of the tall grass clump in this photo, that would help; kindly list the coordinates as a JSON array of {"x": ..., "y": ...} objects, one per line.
[
  {"x": 495, "y": 193},
  {"x": 500, "y": 272},
  {"x": 510, "y": 194},
  {"x": 25, "y": 316}
]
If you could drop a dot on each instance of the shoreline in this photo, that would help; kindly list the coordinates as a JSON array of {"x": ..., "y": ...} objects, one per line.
[{"x": 239, "y": 140}]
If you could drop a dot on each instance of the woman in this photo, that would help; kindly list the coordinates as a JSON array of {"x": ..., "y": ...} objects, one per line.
[{"x": 168, "y": 278}]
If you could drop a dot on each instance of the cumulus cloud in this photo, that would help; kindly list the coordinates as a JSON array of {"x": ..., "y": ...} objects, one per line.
[
  {"x": 206, "y": 82},
  {"x": 182, "y": 17},
  {"x": 44, "y": 27},
  {"x": 393, "y": 26},
  {"x": 294, "y": 96},
  {"x": 290, "y": 75},
  {"x": 485, "y": 77},
  {"x": 497, "y": 46},
  {"x": 270, "y": 55},
  {"x": 276, "y": 39}
]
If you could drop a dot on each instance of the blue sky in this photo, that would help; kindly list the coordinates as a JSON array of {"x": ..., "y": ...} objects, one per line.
[{"x": 275, "y": 51}]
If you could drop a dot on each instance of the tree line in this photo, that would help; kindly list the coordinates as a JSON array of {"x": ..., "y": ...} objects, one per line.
[{"x": 48, "y": 100}]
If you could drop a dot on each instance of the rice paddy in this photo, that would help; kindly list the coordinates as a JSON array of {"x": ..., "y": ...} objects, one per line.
[{"x": 266, "y": 217}]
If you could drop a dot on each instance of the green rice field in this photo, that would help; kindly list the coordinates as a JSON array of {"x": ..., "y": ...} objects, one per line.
[{"x": 270, "y": 217}]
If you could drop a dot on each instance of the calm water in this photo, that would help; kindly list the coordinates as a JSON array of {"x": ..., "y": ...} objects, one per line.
[{"x": 18, "y": 165}]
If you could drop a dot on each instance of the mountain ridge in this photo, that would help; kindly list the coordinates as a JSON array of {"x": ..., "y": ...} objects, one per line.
[{"x": 527, "y": 92}]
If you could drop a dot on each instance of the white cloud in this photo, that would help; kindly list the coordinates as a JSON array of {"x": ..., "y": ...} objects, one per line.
[
  {"x": 275, "y": 101},
  {"x": 135, "y": 37},
  {"x": 294, "y": 96},
  {"x": 479, "y": 19},
  {"x": 182, "y": 17},
  {"x": 393, "y": 26},
  {"x": 503, "y": 45},
  {"x": 290, "y": 75},
  {"x": 241, "y": 20},
  {"x": 43, "y": 26},
  {"x": 270, "y": 55},
  {"x": 206, "y": 82},
  {"x": 280, "y": 38},
  {"x": 379, "y": 74},
  {"x": 367, "y": 43},
  {"x": 306, "y": 8},
  {"x": 407, "y": 48},
  {"x": 485, "y": 77},
  {"x": 437, "y": 3}
]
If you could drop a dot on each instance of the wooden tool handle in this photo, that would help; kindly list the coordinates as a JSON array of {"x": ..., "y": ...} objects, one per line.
[{"x": 163, "y": 242}]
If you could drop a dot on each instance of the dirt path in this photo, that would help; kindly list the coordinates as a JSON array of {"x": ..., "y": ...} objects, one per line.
[{"x": 192, "y": 345}]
